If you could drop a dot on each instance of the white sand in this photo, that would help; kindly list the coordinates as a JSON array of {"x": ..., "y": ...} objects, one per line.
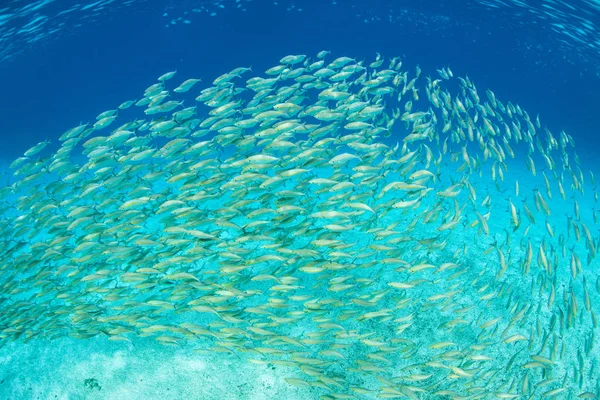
[{"x": 142, "y": 370}]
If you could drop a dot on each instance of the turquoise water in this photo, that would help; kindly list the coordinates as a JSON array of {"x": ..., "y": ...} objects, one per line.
[{"x": 254, "y": 200}]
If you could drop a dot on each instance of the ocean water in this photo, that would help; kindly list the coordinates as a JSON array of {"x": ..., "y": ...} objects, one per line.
[{"x": 359, "y": 199}]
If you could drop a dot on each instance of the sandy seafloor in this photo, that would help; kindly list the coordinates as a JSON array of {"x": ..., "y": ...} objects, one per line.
[{"x": 100, "y": 369}]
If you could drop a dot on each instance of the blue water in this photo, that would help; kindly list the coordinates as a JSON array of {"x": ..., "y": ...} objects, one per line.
[
  {"x": 543, "y": 55},
  {"x": 52, "y": 84}
]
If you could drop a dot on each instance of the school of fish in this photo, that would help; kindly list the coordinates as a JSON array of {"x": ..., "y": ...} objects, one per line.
[{"x": 375, "y": 232}]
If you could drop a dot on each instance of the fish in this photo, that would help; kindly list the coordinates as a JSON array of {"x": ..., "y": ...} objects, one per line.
[{"x": 319, "y": 216}]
